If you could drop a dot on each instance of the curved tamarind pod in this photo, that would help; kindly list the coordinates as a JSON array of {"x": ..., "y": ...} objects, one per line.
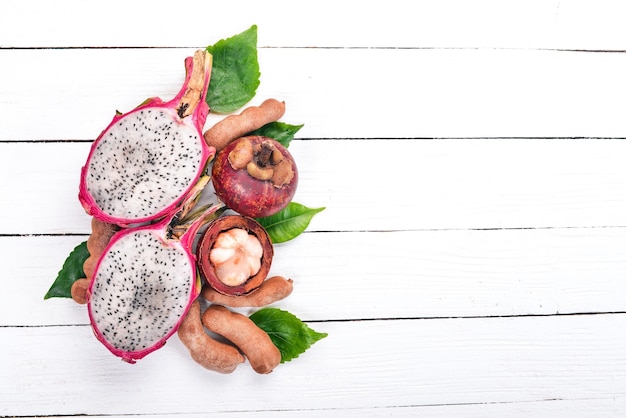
[
  {"x": 253, "y": 342},
  {"x": 101, "y": 233},
  {"x": 89, "y": 266},
  {"x": 271, "y": 290},
  {"x": 206, "y": 351},
  {"x": 250, "y": 119},
  {"x": 79, "y": 290}
]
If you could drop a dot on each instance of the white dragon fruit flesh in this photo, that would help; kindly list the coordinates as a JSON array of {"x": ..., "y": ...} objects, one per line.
[
  {"x": 143, "y": 285},
  {"x": 146, "y": 161}
]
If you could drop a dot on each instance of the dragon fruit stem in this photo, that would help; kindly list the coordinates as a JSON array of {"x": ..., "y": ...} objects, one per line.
[{"x": 197, "y": 85}]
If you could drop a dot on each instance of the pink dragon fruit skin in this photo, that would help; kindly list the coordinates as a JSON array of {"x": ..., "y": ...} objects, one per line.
[
  {"x": 141, "y": 167},
  {"x": 142, "y": 287}
]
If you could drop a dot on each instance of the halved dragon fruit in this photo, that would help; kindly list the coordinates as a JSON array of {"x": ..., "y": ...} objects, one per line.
[
  {"x": 145, "y": 281},
  {"x": 144, "y": 163}
]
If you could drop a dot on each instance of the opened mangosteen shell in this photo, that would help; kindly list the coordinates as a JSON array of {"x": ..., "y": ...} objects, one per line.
[{"x": 207, "y": 240}]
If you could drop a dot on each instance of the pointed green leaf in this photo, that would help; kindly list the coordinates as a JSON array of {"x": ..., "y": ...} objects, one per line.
[
  {"x": 235, "y": 73},
  {"x": 289, "y": 222},
  {"x": 71, "y": 271},
  {"x": 289, "y": 334},
  {"x": 280, "y": 131}
]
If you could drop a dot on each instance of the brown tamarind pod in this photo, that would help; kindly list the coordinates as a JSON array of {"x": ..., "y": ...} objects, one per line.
[
  {"x": 89, "y": 266},
  {"x": 101, "y": 233},
  {"x": 253, "y": 342},
  {"x": 204, "y": 350},
  {"x": 271, "y": 290},
  {"x": 250, "y": 119},
  {"x": 79, "y": 291}
]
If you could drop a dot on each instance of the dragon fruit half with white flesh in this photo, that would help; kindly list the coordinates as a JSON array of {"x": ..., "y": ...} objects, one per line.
[
  {"x": 146, "y": 161},
  {"x": 145, "y": 281}
]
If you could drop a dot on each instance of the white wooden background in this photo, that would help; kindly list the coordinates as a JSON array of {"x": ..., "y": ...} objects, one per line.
[{"x": 472, "y": 158}]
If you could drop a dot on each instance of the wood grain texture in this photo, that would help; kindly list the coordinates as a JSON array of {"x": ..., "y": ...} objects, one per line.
[
  {"x": 373, "y": 185},
  {"x": 573, "y": 24},
  {"x": 335, "y": 93},
  {"x": 395, "y": 367},
  {"x": 402, "y": 274},
  {"x": 470, "y": 155}
]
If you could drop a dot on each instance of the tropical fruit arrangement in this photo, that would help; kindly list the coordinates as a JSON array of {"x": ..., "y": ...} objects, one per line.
[{"x": 185, "y": 219}]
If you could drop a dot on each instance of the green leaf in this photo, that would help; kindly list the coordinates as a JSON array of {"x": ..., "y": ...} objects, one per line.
[
  {"x": 280, "y": 131},
  {"x": 235, "y": 73},
  {"x": 71, "y": 271},
  {"x": 289, "y": 334},
  {"x": 289, "y": 222}
]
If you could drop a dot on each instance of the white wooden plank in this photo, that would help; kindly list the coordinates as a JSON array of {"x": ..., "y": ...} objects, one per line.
[
  {"x": 396, "y": 23},
  {"x": 360, "y": 365},
  {"x": 383, "y": 275},
  {"x": 336, "y": 93},
  {"x": 460, "y": 315},
  {"x": 463, "y": 183},
  {"x": 553, "y": 408},
  {"x": 375, "y": 184}
]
